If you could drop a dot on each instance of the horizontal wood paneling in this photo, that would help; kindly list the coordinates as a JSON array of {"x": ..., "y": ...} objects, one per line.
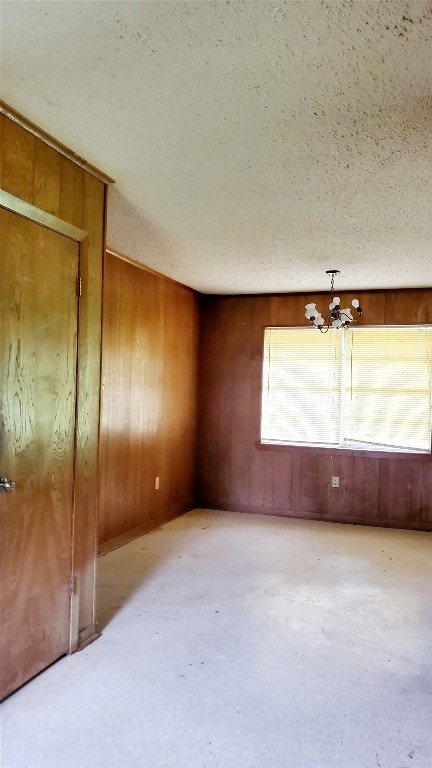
[
  {"x": 148, "y": 422},
  {"x": 37, "y": 173},
  {"x": 233, "y": 473}
]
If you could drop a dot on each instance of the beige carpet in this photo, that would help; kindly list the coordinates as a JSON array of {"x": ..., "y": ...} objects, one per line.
[{"x": 235, "y": 641}]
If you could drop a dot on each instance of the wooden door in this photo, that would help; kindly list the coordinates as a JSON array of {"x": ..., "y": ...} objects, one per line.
[{"x": 38, "y": 322}]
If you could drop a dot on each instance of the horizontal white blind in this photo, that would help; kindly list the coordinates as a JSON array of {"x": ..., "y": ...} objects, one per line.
[
  {"x": 388, "y": 387},
  {"x": 301, "y": 386}
]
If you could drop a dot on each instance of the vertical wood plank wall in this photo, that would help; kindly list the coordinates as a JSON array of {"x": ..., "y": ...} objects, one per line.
[
  {"x": 38, "y": 174},
  {"x": 148, "y": 420},
  {"x": 294, "y": 482}
]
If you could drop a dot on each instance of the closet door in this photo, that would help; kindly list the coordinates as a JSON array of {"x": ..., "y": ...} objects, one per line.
[{"x": 38, "y": 355}]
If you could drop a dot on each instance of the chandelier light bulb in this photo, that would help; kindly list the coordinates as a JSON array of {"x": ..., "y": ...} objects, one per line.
[
  {"x": 337, "y": 317},
  {"x": 311, "y": 311}
]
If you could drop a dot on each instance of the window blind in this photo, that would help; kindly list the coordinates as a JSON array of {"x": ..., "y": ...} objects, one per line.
[
  {"x": 367, "y": 388},
  {"x": 301, "y": 395},
  {"x": 388, "y": 387}
]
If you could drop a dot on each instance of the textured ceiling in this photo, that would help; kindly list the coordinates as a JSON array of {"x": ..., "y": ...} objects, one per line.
[{"x": 254, "y": 144}]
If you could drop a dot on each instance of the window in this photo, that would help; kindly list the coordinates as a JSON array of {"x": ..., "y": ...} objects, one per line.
[{"x": 364, "y": 388}]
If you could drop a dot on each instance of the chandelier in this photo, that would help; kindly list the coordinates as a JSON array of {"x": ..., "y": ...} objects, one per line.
[{"x": 337, "y": 317}]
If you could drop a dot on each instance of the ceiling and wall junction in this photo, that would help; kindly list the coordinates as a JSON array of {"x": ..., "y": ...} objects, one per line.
[{"x": 254, "y": 144}]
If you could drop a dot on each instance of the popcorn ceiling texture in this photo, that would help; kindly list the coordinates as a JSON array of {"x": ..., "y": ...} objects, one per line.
[{"x": 254, "y": 144}]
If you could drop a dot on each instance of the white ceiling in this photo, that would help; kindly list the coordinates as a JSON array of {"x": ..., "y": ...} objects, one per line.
[{"x": 254, "y": 144}]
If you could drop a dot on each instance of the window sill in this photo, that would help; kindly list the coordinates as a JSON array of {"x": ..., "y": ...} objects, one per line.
[{"x": 355, "y": 452}]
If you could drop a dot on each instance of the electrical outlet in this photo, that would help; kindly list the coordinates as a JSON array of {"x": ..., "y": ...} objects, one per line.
[
  {"x": 335, "y": 482},
  {"x": 156, "y": 483}
]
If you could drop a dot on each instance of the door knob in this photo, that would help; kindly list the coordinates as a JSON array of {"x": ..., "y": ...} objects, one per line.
[{"x": 6, "y": 485}]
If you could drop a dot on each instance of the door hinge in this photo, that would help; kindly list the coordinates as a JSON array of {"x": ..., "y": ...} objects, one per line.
[{"x": 79, "y": 286}]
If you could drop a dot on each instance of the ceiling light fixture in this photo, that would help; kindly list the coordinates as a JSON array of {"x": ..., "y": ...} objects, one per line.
[{"x": 337, "y": 317}]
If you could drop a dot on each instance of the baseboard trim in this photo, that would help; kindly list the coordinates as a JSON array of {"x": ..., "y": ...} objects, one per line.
[
  {"x": 87, "y": 636},
  {"x": 346, "y": 520},
  {"x": 135, "y": 533}
]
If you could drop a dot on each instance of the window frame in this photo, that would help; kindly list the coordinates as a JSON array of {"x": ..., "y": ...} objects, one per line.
[{"x": 348, "y": 452}]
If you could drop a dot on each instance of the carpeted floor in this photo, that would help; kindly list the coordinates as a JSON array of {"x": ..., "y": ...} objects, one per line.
[{"x": 236, "y": 641}]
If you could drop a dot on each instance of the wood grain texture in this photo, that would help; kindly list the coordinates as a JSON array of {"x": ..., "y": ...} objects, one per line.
[
  {"x": 38, "y": 313},
  {"x": 47, "y": 178},
  {"x": 2, "y": 153},
  {"x": 17, "y": 151},
  {"x": 140, "y": 265},
  {"x": 40, "y": 175},
  {"x": 233, "y": 473},
  {"x": 88, "y": 398},
  {"x": 148, "y": 419},
  {"x": 46, "y": 139}
]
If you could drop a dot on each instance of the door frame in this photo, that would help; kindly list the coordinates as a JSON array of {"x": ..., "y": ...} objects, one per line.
[{"x": 37, "y": 215}]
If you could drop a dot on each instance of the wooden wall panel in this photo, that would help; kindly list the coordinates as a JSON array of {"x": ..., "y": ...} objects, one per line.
[
  {"x": 89, "y": 373},
  {"x": 17, "y": 160},
  {"x": 233, "y": 473},
  {"x": 38, "y": 174},
  {"x": 148, "y": 421},
  {"x": 47, "y": 178}
]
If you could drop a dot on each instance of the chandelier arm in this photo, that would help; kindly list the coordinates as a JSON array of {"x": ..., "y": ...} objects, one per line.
[
  {"x": 326, "y": 325},
  {"x": 337, "y": 315}
]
